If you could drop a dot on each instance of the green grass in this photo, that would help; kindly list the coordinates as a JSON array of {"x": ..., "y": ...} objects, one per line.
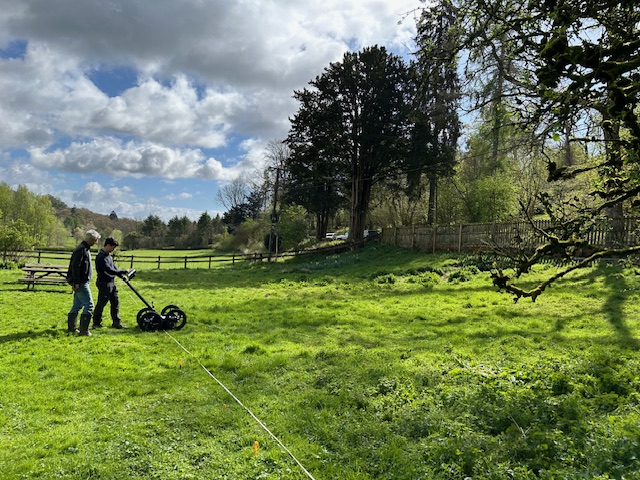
[{"x": 378, "y": 364}]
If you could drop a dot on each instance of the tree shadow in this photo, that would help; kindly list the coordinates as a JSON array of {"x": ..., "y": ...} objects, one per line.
[
  {"x": 12, "y": 337},
  {"x": 617, "y": 295}
]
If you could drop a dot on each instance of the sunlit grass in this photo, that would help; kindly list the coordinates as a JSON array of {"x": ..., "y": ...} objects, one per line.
[{"x": 366, "y": 365}]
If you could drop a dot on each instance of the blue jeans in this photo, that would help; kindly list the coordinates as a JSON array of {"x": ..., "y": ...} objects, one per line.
[{"x": 82, "y": 299}]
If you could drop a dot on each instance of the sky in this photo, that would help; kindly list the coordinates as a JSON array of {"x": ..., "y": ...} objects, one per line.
[{"x": 147, "y": 107}]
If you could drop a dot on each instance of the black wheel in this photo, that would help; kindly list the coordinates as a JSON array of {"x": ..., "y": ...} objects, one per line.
[
  {"x": 174, "y": 318},
  {"x": 149, "y": 320},
  {"x": 142, "y": 312},
  {"x": 167, "y": 308}
]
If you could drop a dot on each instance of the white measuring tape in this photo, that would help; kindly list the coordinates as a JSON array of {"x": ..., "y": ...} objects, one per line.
[{"x": 264, "y": 427}]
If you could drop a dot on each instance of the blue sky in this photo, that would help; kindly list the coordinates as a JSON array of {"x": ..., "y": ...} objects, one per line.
[{"x": 147, "y": 107}]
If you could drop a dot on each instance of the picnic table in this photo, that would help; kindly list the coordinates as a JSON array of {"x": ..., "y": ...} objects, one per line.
[{"x": 43, "y": 273}]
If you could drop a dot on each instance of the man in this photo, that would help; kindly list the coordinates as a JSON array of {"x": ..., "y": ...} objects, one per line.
[
  {"x": 107, "y": 290},
  {"x": 79, "y": 277}
]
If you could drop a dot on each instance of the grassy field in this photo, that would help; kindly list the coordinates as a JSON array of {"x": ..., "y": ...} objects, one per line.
[{"x": 377, "y": 364}]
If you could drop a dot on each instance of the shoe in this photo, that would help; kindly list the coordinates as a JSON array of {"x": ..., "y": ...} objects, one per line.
[
  {"x": 119, "y": 326},
  {"x": 97, "y": 325}
]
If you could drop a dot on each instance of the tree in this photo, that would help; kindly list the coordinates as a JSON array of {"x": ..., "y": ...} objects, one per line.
[
  {"x": 132, "y": 240},
  {"x": 354, "y": 119},
  {"x": 56, "y": 203},
  {"x": 315, "y": 177},
  {"x": 436, "y": 124},
  {"x": 205, "y": 229},
  {"x": 154, "y": 229},
  {"x": 567, "y": 62},
  {"x": 14, "y": 239},
  {"x": 179, "y": 230},
  {"x": 233, "y": 194},
  {"x": 34, "y": 210},
  {"x": 248, "y": 209},
  {"x": 293, "y": 227},
  {"x": 275, "y": 172}
]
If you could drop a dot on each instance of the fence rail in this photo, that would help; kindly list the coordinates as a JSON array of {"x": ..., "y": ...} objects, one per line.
[
  {"x": 126, "y": 260},
  {"x": 483, "y": 236}
]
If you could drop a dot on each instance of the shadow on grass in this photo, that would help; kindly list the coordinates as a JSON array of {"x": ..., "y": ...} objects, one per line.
[
  {"x": 617, "y": 294},
  {"x": 612, "y": 298},
  {"x": 12, "y": 337}
]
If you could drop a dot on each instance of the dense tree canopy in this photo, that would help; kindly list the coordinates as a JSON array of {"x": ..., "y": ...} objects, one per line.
[
  {"x": 353, "y": 126},
  {"x": 566, "y": 68}
]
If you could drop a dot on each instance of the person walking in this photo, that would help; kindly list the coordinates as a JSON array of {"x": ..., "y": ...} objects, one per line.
[
  {"x": 105, "y": 281},
  {"x": 79, "y": 277}
]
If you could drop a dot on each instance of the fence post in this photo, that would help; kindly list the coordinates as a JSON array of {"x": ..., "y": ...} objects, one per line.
[
  {"x": 435, "y": 233},
  {"x": 209, "y": 262},
  {"x": 185, "y": 262},
  {"x": 131, "y": 264},
  {"x": 460, "y": 238},
  {"x": 158, "y": 262}
]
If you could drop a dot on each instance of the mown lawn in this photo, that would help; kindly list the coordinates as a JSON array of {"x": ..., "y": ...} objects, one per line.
[{"x": 377, "y": 364}]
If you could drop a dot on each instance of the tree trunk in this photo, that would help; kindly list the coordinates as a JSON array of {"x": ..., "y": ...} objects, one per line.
[
  {"x": 433, "y": 192},
  {"x": 615, "y": 214},
  {"x": 322, "y": 224},
  {"x": 360, "y": 198}
]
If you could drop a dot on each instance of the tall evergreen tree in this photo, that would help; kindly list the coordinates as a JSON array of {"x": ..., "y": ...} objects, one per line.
[
  {"x": 437, "y": 126},
  {"x": 353, "y": 124}
]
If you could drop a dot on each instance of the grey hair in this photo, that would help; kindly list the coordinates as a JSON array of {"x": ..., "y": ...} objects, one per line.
[{"x": 91, "y": 235}]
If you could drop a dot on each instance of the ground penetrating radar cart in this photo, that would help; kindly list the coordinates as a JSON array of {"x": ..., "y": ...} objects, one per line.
[{"x": 149, "y": 320}]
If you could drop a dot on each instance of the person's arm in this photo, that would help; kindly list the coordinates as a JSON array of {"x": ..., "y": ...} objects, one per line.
[
  {"x": 75, "y": 268},
  {"x": 110, "y": 267}
]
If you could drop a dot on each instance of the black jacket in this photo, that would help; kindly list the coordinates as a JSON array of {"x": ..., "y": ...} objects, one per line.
[
  {"x": 106, "y": 269},
  {"x": 80, "y": 265}
]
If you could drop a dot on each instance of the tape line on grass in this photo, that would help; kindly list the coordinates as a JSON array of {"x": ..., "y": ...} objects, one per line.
[{"x": 264, "y": 427}]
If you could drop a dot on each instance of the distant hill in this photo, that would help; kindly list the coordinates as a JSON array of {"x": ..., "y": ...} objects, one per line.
[{"x": 73, "y": 217}]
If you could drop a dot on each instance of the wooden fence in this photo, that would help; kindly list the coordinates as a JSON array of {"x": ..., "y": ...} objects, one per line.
[
  {"x": 484, "y": 236},
  {"x": 126, "y": 260},
  {"x": 427, "y": 238}
]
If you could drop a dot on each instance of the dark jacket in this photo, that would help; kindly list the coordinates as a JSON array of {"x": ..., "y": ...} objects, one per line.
[
  {"x": 106, "y": 269},
  {"x": 80, "y": 265}
]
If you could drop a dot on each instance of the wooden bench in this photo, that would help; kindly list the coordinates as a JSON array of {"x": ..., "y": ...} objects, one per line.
[{"x": 44, "y": 273}]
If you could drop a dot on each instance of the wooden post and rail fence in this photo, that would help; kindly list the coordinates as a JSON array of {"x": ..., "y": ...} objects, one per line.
[
  {"x": 472, "y": 237},
  {"x": 126, "y": 260}
]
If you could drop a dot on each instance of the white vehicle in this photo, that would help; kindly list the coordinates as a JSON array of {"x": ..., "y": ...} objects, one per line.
[
  {"x": 330, "y": 236},
  {"x": 342, "y": 236}
]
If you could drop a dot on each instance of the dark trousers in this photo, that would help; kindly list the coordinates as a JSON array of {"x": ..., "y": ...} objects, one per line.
[{"x": 107, "y": 293}]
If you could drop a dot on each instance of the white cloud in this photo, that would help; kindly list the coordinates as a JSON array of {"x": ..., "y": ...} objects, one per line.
[
  {"x": 19, "y": 172},
  {"x": 129, "y": 159},
  {"x": 214, "y": 80},
  {"x": 171, "y": 115},
  {"x": 179, "y": 196}
]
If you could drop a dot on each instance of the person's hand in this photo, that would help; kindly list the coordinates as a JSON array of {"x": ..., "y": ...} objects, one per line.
[{"x": 76, "y": 287}]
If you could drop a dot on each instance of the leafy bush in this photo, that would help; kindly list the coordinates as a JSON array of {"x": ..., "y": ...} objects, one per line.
[
  {"x": 389, "y": 278},
  {"x": 464, "y": 274},
  {"x": 14, "y": 239}
]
